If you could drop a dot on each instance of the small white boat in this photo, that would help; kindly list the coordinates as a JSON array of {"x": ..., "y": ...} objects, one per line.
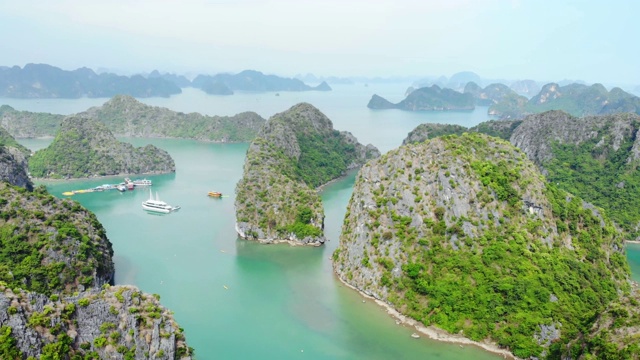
[
  {"x": 157, "y": 205},
  {"x": 415, "y": 336},
  {"x": 138, "y": 182},
  {"x": 142, "y": 182}
]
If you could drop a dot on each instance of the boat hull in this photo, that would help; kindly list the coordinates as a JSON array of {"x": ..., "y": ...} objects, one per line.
[{"x": 155, "y": 209}]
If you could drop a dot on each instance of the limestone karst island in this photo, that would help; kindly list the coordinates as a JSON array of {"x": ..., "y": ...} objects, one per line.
[{"x": 380, "y": 180}]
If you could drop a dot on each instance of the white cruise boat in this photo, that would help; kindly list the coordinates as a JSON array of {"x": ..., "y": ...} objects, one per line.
[{"x": 157, "y": 205}]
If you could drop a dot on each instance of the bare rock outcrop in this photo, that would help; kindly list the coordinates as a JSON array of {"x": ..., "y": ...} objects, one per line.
[{"x": 118, "y": 322}]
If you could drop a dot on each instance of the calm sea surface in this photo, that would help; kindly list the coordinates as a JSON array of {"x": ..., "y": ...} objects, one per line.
[{"x": 241, "y": 300}]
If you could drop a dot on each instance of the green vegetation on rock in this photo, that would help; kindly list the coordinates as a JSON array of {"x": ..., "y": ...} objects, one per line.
[
  {"x": 55, "y": 298},
  {"x": 431, "y": 98},
  {"x": 594, "y": 157},
  {"x": 84, "y": 147},
  {"x": 616, "y": 332},
  {"x": 144, "y": 328},
  {"x": 575, "y": 99},
  {"x": 13, "y": 161},
  {"x": 49, "y": 245},
  {"x": 464, "y": 233},
  {"x": 429, "y": 131},
  {"x": 498, "y": 128},
  {"x": 26, "y": 124},
  {"x": 295, "y": 152},
  {"x": 491, "y": 94},
  {"x": 125, "y": 116}
]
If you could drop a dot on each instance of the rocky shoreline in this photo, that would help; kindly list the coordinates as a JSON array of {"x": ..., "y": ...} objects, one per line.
[
  {"x": 433, "y": 332},
  {"x": 242, "y": 235}
]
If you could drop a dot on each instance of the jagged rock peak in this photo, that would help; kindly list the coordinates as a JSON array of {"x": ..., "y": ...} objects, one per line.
[
  {"x": 295, "y": 152},
  {"x": 431, "y": 228},
  {"x": 537, "y": 133}
]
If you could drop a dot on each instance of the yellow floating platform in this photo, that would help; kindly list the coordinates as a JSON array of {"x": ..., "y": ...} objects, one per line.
[{"x": 68, "y": 193}]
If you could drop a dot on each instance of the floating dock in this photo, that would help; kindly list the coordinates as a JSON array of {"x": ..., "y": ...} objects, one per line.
[{"x": 128, "y": 184}]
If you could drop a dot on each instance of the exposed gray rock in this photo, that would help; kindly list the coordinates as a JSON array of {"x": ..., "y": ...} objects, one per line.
[
  {"x": 14, "y": 168},
  {"x": 115, "y": 322},
  {"x": 537, "y": 133},
  {"x": 548, "y": 334},
  {"x": 296, "y": 152}
]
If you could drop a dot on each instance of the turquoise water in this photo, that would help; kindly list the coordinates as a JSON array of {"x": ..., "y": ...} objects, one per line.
[
  {"x": 279, "y": 302},
  {"x": 241, "y": 300}
]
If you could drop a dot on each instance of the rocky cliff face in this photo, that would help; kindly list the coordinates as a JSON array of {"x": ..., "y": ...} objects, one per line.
[
  {"x": 538, "y": 133},
  {"x": 125, "y": 116},
  {"x": 118, "y": 322},
  {"x": 85, "y": 147},
  {"x": 55, "y": 298},
  {"x": 294, "y": 153},
  {"x": 595, "y": 157},
  {"x": 13, "y": 168},
  {"x": 13, "y": 161},
  {"x": 502, "y": 129},
  {"x": 464, "y": 233},
  {"x": 51, "y": 245}
]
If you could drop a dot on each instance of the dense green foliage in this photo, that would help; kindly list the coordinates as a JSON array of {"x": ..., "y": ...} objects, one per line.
[
  {"x": 33, "y": 224},
  {"x": 615, "y": 334},
  {"x": 601, "y": 175},
  {"x": 69, "y": 151},
  {"x": 302, "y": 226},
  {"x": 8, "y": 348},
  {"x": 126, "y": 116},
  {"x": 296, "y": 152},
  {"x": 24, "y": 124},
  {"x": 8, "y": 141},
  {"x": 499, "y": 269},
  {"x": 323, "y": 157},
  {"x": 84, "y": 147}
]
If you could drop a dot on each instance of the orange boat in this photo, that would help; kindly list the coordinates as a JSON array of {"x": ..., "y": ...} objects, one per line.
[{"x": 214, "y": 194}]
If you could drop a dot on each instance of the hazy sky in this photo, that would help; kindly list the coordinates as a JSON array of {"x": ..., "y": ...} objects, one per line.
[{"x": 590, "y": 40}]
